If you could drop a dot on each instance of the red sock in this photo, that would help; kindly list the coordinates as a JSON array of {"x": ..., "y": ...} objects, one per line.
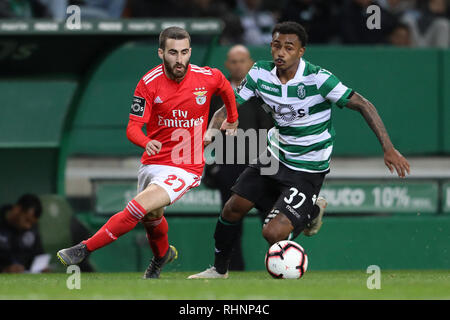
[
  {"x": 119, "y": 224},
  {"x": 157, "y": 236}
]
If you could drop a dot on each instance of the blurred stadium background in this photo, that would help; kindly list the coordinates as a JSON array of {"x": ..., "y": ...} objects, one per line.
[{"x": 64, "y": 103}]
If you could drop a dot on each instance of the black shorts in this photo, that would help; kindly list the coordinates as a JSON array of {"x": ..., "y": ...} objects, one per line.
[{"x": 289, "y": 191}]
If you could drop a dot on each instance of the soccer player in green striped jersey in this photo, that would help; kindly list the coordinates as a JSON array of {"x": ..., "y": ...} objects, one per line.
[{"x": 299, "y": 96}]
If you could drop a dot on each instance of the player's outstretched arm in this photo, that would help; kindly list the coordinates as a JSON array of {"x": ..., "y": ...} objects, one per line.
[
  {"x": 219, "y": 121},
  {"x": 392, "y": 158},
  {"x": 226, "y": 118}
]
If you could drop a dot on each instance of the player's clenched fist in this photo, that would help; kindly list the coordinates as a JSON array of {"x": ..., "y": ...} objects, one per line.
[
  {"x": 153, "y": 147},
  {"x": 230, "y": 128}
]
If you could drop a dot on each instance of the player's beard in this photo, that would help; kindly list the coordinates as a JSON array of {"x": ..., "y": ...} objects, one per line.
[{"x": 172, "y": 72}]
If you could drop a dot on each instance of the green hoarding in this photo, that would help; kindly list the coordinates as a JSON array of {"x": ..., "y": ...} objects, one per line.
[
  {"x": 446, "y": 197},
  {"x": 342, "y": 196},
  {"x": 116, "y": 27},
  {"x": 381, "y": 196},
  {"x": 113, "y": 196}
]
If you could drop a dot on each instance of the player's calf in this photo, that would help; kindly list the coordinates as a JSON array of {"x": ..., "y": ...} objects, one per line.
[
  {"x": 277, "y": 229},
  {"x": 157, "y": 235},
  {"x": 227, "y": 230}
]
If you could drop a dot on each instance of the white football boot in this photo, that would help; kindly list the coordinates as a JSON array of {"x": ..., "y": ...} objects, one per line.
[
  {"x": 316, "y": 223},
  {"x": 209, "y": 273}
]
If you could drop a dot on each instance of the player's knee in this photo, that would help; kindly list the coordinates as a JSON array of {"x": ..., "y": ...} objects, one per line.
[
  {"x": 232, "y": 212},
  {"x": 152, "y": 215}
]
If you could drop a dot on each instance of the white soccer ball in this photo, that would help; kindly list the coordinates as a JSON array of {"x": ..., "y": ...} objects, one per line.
[{"x": 286, "y": 260}]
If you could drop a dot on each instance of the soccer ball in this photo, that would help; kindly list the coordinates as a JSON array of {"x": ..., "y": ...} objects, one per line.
[{"x": 286, "y": 260}]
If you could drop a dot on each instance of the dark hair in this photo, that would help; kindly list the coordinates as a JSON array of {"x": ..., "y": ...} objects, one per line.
[
  {"x": 400, "y": 25},
  {"x": 29, "y": 201},
  {"x": 176, "y": 33},
  {"x": 290, "y": 27}
]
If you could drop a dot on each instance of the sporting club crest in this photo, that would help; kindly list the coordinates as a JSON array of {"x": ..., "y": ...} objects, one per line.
[{"x": 301, "y": 91}]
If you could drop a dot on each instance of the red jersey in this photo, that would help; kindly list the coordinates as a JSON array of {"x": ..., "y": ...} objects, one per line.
[{"x": 176, "y": 114}]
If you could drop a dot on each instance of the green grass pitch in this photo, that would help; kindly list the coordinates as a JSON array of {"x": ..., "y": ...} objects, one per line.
[{"x": 257, "y": 285}]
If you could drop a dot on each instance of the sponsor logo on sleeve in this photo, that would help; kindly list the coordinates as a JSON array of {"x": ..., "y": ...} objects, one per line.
[{"x": 138, "y": 106}]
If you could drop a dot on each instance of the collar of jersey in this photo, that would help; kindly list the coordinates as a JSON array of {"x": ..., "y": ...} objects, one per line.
[{"x": 298, "y": 75}]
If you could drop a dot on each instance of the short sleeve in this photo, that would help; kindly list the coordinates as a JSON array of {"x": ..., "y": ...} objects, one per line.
[
  {"x": 331, "y": 88},
  {"x": 141, "y": 105},
  {"x": 247, "y": 88}
]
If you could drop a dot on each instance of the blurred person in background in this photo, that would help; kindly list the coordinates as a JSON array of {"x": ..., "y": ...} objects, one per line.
[
  {"x": 224, "y": 176},
  {"x": 256, "y": 21},
  {"x": 400, "y": 36},
  {"x": 22, "y": 9},
  {"x": 90, "y": 9},
  {"x": 57, "y": 9},
  {"x": 100, "y": 9},
  {"x": 20, "y": 241},
  {"x": 429, "y": 24},
  {"x": 155, "y": 8},
  {"x": 396, "y": 7},
  {"x": 233, "y": 30},
  {"x": 319, "y": 17},
  {"x": 353, "y": 23}
]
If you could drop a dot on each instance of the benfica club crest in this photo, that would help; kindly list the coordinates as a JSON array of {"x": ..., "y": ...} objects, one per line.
[{"x": 200, "y": 95}]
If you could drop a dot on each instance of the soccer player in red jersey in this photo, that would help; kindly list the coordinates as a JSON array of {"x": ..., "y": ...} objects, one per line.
[{"x": 172, "y": 101}]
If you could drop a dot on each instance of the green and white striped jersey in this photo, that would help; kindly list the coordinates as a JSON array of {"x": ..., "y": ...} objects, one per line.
[{"x": 301, "y": 110}]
